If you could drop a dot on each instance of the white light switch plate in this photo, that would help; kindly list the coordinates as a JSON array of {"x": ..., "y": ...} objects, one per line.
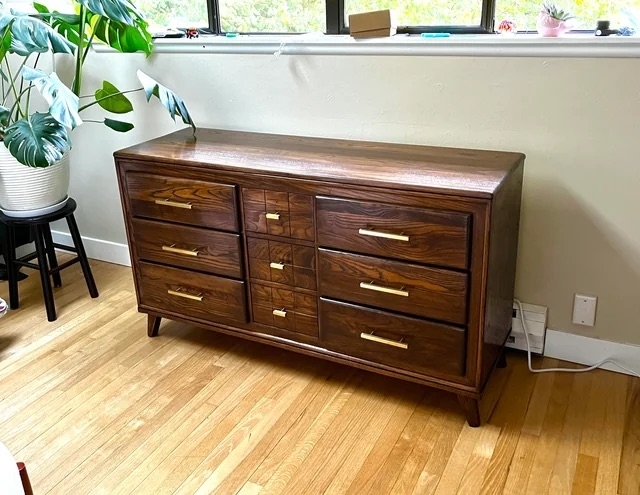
[{"x": 584, "y": 310}]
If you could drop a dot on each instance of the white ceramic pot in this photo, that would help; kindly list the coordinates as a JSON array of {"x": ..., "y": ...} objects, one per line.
[{"x": 27, "y": 191}]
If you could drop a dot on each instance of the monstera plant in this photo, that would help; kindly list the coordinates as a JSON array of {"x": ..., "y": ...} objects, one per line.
[{"x": 34, "y": 163}]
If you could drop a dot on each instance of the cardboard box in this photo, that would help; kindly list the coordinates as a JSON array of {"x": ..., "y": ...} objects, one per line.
[{"x": 374, "y": 24}]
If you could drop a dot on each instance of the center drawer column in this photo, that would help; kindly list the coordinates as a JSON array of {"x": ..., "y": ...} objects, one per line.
[{"x": 282, "y": 261}]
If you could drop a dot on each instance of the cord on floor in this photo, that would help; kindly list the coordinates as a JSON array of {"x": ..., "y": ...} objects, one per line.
[{"x": 565, "y": 370}]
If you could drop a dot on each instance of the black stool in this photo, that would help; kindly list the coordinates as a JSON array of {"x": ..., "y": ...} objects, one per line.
[{"x": 45, "y": 252}]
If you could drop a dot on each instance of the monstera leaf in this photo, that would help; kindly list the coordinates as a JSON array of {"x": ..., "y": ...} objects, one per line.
[
  {"x": 169, "y": 99},
  {"x": 63, "y": 104},
  {"x": 112, "y": 100},
  {"x": 31, "y": 35},
  {"x": 115, "y": 10},
  {"x": 40, "y": 141},
  {"x": 68, "y": 25},
  {"x": 118, "y": 125},
  {"x": 120, "y": 36}
]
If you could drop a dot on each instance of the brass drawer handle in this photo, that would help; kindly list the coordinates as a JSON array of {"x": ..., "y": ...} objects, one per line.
[
  {"x": 385, "y": 235},
  {"x": 185, "y": 295},
  {"x": 387, "y": 290},
  {"x": 380, "y": 340},
  {"x": 186, "y": 252},
  {"x": 277, "y": 266},
  {"x": 273, "y": 216},
  {"x": 175, "y": 204},
  {"x": 280, "y": 312}
]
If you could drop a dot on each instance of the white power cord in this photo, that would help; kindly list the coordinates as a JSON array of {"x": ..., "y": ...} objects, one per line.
[{"x": 565, "y": 370}]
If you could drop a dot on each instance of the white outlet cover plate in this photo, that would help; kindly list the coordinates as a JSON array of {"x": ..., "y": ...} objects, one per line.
[{"x": 584, "y": 310}]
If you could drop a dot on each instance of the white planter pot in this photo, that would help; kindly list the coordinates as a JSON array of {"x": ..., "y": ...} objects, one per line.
[{"x": 27, "y": 191}]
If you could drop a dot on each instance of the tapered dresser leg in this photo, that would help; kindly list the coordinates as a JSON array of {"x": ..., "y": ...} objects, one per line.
[
  {"x": 502, "y": 360},
  {"x": 471, "y": 408},
  {"x": 153, "y": 325}
]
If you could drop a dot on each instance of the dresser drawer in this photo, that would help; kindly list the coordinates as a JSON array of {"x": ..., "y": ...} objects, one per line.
[
  {"x": 278, "y": 213},
  {"x": 385, "y": 338},
  {"x": 282, "y": 262},
  {"x": 420, "y": 235},
  {"x": 430, "y": 292},
  {"x": 191, "y": 202},
  {"x": 197, "y": 295},
  {"x": 188, "y": 247},
  {"x": 285, "y": 309}
]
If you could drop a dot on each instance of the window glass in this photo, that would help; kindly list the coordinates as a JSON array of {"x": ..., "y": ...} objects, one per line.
[
  {"x": 273, "y": 16},
  {"x": 422, "y": 12},
  {"x": 174, "y": 13},
  {"x": 587, "y": 12}
]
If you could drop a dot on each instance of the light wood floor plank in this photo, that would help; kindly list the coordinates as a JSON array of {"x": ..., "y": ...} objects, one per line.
[{"x": 93, "y": 406}]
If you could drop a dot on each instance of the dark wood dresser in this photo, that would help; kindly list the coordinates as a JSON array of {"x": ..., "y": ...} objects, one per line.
[{"x": 393, "y": 258}]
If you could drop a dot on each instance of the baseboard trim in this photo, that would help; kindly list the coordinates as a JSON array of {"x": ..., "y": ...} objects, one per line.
[
  {"x": 588, "y": 351},
  {"x": 98, "y": 249}
]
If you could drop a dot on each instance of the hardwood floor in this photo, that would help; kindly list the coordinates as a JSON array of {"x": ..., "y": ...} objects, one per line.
[{"x": 93, "y": 405}]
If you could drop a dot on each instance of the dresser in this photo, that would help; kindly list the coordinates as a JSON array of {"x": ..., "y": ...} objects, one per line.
[{"x": 396, "y": 259}]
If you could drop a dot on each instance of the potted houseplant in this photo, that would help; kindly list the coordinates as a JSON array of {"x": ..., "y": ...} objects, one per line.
[
  {"x": 34, "y": 157},
  {"x": 552, "y": 21}
]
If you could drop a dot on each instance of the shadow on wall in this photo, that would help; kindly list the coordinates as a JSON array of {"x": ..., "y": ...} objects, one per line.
[{"x": 567, "y": 241}]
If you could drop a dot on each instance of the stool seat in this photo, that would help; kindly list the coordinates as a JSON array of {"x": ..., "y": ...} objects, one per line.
[
  {"x": 68, "y": 209},
  {"x": 46, "y": 254}
]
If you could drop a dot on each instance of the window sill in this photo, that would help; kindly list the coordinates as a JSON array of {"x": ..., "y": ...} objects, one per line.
[{"x": 483, "y": 45}]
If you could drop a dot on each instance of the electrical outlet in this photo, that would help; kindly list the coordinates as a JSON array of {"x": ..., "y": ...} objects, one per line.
[
  {"x": 536, "y": 321},
  {"x": 584, "y": 310}
]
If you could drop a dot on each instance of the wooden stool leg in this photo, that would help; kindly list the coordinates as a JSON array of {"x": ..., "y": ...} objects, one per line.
[
  {"x": 12, "y": 271},
  {"x": 51, "y": 254},
  {"x": 41, "y": 251},
  {"x": 82, "y": 255},
  {"x": 24, "y": 477}
]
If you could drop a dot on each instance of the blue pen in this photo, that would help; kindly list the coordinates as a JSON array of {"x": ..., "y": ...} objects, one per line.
[{"x": 434, "y": 35}]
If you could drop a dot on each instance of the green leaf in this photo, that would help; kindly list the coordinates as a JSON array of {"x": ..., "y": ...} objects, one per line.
[
  {"x": 118, "y": 125},
  {"x": 169, "y": 99},
  {"x": 32, "y": 35},
  {"x": 5, "y": 114},
  {"x": 116, "y": 10},
  {"x": 40, "y": 141},
  {"x": 122, "y": 37},
  {"x": 109, "y": 98},
  {"x": 63, "y": 104},
  {"x": 5, "y": 43}
]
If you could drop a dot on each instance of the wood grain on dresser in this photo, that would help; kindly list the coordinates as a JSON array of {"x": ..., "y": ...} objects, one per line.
[{"x": 393, "y": 258}]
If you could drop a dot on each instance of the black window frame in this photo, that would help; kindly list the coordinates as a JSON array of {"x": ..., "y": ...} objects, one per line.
[{"x": 335, "y": 21}]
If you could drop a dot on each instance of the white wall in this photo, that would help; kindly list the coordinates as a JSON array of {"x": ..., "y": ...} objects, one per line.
[{"x": 576, "y": 119}]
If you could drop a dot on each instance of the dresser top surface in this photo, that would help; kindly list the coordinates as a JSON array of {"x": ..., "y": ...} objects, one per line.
[{"x": 459, "y": 171}]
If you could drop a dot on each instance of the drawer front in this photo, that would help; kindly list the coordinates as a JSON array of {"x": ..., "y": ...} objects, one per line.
[
  {"x": 278, "y": 213},
  {"x": 192, "y": 294},
  {"x": 398, "y": 341},
  {"x": 285, "y": 309},
  {"x": 430, "y": 292},
  {"x": 188, "y": 247},
  {"x": 191, "y": 202},
  {"x": 420, "y": 235},
  {"x": 282, "y": 262}
]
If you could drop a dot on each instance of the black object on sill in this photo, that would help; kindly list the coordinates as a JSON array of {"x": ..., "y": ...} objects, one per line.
[{"x": 603, "y": 29}]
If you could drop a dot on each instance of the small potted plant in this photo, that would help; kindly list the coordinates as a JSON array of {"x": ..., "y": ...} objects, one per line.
[
  {"x": 553, "y": 22},
  {"x": 34, "y": 157}
]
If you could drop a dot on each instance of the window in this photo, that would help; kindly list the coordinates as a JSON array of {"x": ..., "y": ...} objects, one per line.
[
  {"x": 587, "y": 12},
  {"x": 307, "y": 16}
]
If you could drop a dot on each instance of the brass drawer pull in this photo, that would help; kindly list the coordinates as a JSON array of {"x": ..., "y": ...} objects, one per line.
[
  {"x": 387, "y": 290},
  {"x": 385, "y": 235},
  {"x": 175, "y": 204},
  {"x": 280, "y": 312},
  {"x": 273, "y": 216},
  {"x": 179, "y": 293},
  {"x": 277, "y": 266},
  {"x": 380, "y": 340},
  {"x": 186, "y": 252}
]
